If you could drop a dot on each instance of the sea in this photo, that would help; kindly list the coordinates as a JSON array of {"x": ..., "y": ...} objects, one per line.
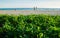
[{"x": 29, "y": 9}]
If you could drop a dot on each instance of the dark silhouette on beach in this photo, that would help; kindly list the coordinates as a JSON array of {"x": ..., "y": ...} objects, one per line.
[{"x": 35, "y": 8}]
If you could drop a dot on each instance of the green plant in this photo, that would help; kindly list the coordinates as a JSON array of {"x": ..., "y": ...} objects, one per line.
[{"x": 29, "y": 26}]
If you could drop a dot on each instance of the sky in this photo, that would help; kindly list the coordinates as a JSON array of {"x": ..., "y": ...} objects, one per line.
[{"x": 29, "y": 3}]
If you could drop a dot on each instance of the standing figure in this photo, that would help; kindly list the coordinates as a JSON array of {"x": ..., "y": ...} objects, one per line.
[
  {"x": 15, "y": 9},
  {"x": 35, "y": 8}
]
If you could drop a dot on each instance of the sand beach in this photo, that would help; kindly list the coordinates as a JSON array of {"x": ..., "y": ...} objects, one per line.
[{"x": 27, "y": 12}]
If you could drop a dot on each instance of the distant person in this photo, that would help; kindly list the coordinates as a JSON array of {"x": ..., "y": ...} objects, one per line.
[
  {"x": 15, "y": 9},
  {"x": 34, "y": 8}
]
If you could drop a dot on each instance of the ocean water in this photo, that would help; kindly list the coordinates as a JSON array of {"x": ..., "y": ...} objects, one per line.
[{"x": 29, "y": 9}]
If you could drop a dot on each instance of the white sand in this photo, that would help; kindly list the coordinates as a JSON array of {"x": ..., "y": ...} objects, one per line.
[{"x": 27, "y": 12}]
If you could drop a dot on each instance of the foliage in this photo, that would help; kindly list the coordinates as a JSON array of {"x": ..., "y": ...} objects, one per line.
[{"x": 29, "y": 26}]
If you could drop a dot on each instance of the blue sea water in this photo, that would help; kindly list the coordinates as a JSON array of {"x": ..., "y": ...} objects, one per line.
[
  {"x": 29, "y": 8},
  {"x": 16, "y": 8}
]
